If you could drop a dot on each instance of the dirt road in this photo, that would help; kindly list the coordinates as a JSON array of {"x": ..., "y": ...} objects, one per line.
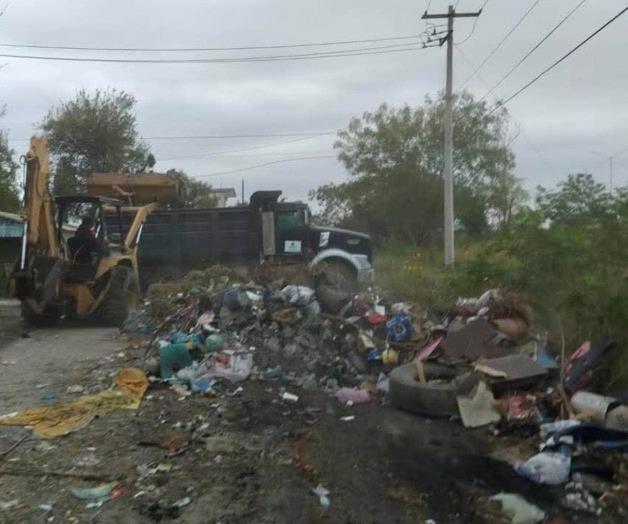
[{"x": 41, "y": 365}]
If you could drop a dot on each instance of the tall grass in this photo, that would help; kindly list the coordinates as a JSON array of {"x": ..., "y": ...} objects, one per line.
[{"x": 575, "y": 287}]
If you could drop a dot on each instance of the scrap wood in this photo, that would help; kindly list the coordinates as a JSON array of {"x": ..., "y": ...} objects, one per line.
[
  {"x": 170, "y": 318},
  {"x": 420, "y": 371},
  {"x": 428, "y": 349},
  {"x": 127, "y": 392},
  {"x": 565, "y": 401},
  {"x": 169, "y": 441},
  {"x": 491, "y": 372},
  {"x": 62, "y": 474},
  {"x": 13, "y": 446}
]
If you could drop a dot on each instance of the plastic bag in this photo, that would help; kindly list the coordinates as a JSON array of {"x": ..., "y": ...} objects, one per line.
[
  {"x": 519, "y": 509},
  {"x": 399, "y": 328},
  {"x": 548, "y": 467},
  {"x": 298, "y": 295},
  {"x": 237, "y": 368}
]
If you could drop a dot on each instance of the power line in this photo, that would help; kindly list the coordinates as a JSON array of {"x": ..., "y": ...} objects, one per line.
[
  {"x": 305, "y": 56},
  {"x": 501, "y": 42},
  {"x": 254, "y": 135},
  {"x": 520, "y": 128},
  {"x": 233, "y": 155},
  {"x": 539, "y": 44},
  {"x": 192, "y": 49},
  {"x": 562, "y": 58},
  {"x": 218, "y": 137},
  {"x": 265, "y": 164},
  {"x": 240, "y": 150},
  {"x": 475, "y": 23}
]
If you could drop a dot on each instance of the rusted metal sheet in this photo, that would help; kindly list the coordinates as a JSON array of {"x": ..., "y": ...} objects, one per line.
[
  {"x": 520, "y": 372},
  {"x": 473, "y": 341}
]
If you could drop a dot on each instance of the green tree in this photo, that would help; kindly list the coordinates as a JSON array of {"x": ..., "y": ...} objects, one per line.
[
  {"x": 94, "y": 133},
  {"x": 196, "y": 193},
  {"x": 578, "y": 200},
  {"x": 395, "y": 157},
  {"x": 9, "y": 197}
]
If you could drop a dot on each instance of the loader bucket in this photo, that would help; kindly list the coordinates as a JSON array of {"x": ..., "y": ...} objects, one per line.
[{"x": 136, "y": 189}]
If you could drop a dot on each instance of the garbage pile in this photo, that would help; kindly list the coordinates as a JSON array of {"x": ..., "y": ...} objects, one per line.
[
  {"x": 213, "y": 326},
  {"x": 481, "y": 364},
  {"x": 484, "y": 365}
]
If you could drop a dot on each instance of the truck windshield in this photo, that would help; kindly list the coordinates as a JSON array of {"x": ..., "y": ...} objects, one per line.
[{"x": 290, "y": 219}]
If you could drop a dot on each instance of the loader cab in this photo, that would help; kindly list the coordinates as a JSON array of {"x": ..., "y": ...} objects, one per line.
[{"x": 82, "y": 234}]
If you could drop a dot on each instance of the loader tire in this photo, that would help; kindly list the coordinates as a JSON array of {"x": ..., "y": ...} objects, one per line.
[
  {"x": 48, "y": 318},
  {"x": 122, "y": 297}
]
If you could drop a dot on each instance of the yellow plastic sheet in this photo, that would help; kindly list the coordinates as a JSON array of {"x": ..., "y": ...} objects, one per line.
[{"x": 127, "y": 392}]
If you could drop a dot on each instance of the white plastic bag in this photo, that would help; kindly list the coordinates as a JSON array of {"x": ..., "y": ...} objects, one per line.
[{"x": 548, "y": 467}]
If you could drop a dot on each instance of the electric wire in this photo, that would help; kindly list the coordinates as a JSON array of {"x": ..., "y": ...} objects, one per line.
[
  {"x": 233, "y": 155},
  {"x": 194, "y": 49},
  {"x": 539, "y": 44},
  {"x": 228, "y": 137},
  {"x": 475, "y": 23},
  {"x": 395, "y": 48},
  {"x": 240, "y": 150},
  {"x": 563, "y": 58},
  {"x": 520, "y": 129},
  {"x": 251, "y": 135},
  {"x": 501, "y": 42},
  {"x": 257, "y": 166}
]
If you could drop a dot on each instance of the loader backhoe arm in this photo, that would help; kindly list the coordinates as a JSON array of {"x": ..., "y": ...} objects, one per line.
[
  {"x": 38, "y": 206},
  {"x": 141, "y": 213}
]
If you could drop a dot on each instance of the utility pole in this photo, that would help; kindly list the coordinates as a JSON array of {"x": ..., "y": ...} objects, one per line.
[
  {"x": 448, "y": 175},
  {"x": 611, "y": 160}
]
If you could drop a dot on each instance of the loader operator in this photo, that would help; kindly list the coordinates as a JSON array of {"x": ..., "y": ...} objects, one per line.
[{"x": 84, "y": 243}]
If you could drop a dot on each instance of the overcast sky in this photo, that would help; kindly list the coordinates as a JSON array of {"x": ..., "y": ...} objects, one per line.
[{"x": 579, "y": 107}]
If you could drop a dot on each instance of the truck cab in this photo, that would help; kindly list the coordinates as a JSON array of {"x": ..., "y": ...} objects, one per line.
[{"x": 288, "y": 233}]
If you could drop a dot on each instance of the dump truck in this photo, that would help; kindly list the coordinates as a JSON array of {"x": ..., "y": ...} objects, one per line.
[
  {"x": 267, "y": 230},
  {"x": 76, "y": 259}
]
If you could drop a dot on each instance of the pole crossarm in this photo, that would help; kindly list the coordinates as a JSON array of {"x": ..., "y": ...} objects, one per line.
[{"x": 474, "y": 14}]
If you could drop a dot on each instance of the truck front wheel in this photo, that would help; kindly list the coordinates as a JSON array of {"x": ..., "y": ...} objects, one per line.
[{"x": 338, "y": 275}]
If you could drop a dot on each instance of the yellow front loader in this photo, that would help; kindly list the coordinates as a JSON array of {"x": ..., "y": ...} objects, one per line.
[{"x": 77, "y": 259}]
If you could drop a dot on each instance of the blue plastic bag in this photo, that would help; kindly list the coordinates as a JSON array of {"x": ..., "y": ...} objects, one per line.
[{"x": 399, "y": 328}]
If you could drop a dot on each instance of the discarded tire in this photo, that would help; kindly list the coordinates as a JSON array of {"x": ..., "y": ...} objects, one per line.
[{"x": 430, "y": 398}]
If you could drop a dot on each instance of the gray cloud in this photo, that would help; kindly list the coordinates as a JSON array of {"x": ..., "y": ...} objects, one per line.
[{"x": 577, "y": 108}]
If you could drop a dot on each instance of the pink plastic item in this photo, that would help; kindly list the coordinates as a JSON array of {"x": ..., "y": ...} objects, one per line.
[{"x": 355, "y": 396}]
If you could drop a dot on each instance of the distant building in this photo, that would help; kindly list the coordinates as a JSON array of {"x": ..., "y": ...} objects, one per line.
[
  {"x": 222, "y": 195},
  {"x": 11, "y": 231}
]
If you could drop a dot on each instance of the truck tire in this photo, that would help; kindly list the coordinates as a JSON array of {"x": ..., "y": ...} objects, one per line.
[
  {"x": 433, "y": 399},
  {"x": 122, "y": 297},
  {"x": 48, "y": 318},
  {"x": 337, "y": 274}
]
